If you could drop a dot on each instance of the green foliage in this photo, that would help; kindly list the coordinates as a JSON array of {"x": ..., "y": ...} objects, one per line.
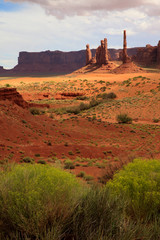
[
  {"x": 28, "y": 160},
  {"x": 68, "y": 164},
  {"x": 81, "y": 174},
  {"x": 110, "y": 95},
  {"x": 139, "y": 185},
  {"x": 36, "y": 198},
  {"x": 96, "y": 217},
  {"x": 82, "y": 107},
  {"x": 35, "y": 111},
  {"x": 41, "y": 161},
  {"x": 156, "y": 120},
  {"x": 123, "y": 118}
]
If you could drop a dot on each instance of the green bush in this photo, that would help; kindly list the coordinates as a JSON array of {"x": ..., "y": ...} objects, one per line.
[
  {"x": 68, "y": 164},
  {"x": 36, "y": 198},
  {"x": 35, "y": 111},
  {"x": 123, "y": 118},
  {"x": 82, "y": 107},
  {"x": 41, "y": 161},
  {"x": 110, "y": 95},
  {"x": 97, "y": 217},
  {"x": 28, "y": 160},
  {"x": 139, "y": 185}
]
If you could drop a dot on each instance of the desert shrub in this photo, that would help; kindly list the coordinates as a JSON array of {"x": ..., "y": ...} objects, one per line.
[
  {"x": 156, "y": 120},
  {"x": 97, "y": 217},
  {"x": 93, "y": 103},
  {"x": 110, "y": 95},
  {"x": 35, "y": 111},
  {"x": 68, "y": 164},
  {"x": 81, "y": 98},
  {"x": 82, "y": 107},
  {"x": 28, "y": 160},
  {"x": 35, "y": 199},
  {"x": 75, "y": 109},
  {"x": 123, "y": 118},
  {"x": 81, "y": 174},
  {"x": 139, "y": 185},
  {"x": 41, "y": 161}
]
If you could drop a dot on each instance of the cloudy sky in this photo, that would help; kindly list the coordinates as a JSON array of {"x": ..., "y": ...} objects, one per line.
[{"x": 68, "y": 25}]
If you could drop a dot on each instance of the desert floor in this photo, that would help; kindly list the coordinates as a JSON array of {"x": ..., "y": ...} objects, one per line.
[{"x": 91, "y": 140}]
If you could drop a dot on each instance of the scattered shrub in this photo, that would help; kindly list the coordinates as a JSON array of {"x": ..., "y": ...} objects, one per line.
[
  {"x": 110, "y": 95},
  {"x": 81, "y": 174},
  {"x": 156, "y": 120},
  {"x": 68, "y": 164},
  {"x": 35, "y": 111},
  {"x": 123, "y": 118},
  {"x": 41, "y": 161},
  {"x": 28, "y": 160}
]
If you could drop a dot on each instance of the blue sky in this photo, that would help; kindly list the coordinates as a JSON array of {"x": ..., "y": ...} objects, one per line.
[
  {"x": 9, "y": 6},
  {"x": 68, "y": 25}
]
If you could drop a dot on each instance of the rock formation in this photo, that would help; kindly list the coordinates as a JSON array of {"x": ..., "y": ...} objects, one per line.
[
  {"x": 102, "y": 53},
  {"x": 88, "y": 54},
  {"x": 148, "y": 56},
  {"x": 11, "y": 94},
  {"x": 127, "y": 66},
  {"x": 126, "y": 59},
  {"x": 158, "y": 54}
]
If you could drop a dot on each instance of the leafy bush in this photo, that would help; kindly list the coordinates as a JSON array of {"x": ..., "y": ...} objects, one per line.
[
  {"x": 35, "y": 111},
  {"x": 139, "y": 185},
  {"x": 81, "y": 174},
  {"x": 28, "y": 160},
  {"x": 156, "y": 120},
  {"x": 110, "y": 95},
  {"x": 41, "y": 161},
  {"x": 82, "y": 107},
  {"x": 34, "y": 198},
  {"x": 97, "y": 217},
  {"x": 68, "y": 164},
  {"x": 123, "y": 118}
]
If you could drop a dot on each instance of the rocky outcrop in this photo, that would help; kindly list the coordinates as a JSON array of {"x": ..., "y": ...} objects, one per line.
[
  {"x": 56, "y": 62},
  {"x": 127, "y": 66},
  {"x": 88, "y": 54},
  {"x": 102, "y": 56},
  {"x": 11, "y": 94},
  {"x": 148, "y": 56},
  {"x": 158, "y": 54},
  {"x": 126, "y": 58},
  {"x": 50, "y": 62},
  {"x": 100, "y": 62}
]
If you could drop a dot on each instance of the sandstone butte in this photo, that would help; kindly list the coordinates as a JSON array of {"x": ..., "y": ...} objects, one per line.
[{"x": 57, "y": 62}]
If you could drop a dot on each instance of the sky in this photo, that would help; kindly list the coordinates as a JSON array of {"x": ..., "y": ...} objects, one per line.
[{"x": 68, "y": 25}]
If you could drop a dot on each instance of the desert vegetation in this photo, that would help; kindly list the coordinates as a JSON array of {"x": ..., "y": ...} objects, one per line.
[
  {"x": 76, "y": 176},
  {"x": 44, "y": 202}
]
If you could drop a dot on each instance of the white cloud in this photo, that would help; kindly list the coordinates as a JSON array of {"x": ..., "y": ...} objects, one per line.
[
  {"x": 31, "y": 29},
  {"x": 62, "y": 8}
]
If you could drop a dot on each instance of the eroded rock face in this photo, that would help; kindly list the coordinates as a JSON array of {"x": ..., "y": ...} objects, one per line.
[
  {"x": 102, "y": 55},
  {"x": 126, "y": 58},
  {"x": 11, "y": 94},
  {"x": 49, "y": 62},
  {"x": 158, "y": 54},
  {"x": 88, "y": 54},
  {"x": 148, "y": 56}
]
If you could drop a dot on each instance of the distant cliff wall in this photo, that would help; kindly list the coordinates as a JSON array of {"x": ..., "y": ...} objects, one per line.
[{"x": 57, "y": 62}]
